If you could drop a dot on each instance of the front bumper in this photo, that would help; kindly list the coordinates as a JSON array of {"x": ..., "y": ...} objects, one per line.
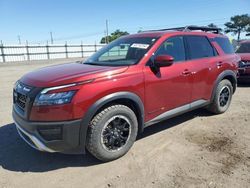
[{"x": 63, "y": 137}]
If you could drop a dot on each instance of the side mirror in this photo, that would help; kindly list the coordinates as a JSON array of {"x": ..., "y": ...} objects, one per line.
[{"x": 163, "y": 60}]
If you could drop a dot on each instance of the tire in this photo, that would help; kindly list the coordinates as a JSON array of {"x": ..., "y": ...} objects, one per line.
[
  {"x": 218, "y": 104},
  {"x": 103, "y": 140}
]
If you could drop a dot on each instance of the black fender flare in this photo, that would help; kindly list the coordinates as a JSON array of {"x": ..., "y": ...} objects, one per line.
[
  {"x": 225, "y": 74},
  {"x": 105, "y": 100}
]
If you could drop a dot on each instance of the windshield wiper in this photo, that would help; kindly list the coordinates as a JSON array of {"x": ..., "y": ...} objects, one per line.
[{"x": 93, "y": 64}]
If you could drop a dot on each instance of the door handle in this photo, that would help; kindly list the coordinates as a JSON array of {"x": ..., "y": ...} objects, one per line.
[
  {"x": 186, "y": 72},
  {"x": 219, "y": 64}
]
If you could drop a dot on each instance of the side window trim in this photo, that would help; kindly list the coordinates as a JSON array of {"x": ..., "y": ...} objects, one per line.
[
  {"x": 187, "y": 49},
  {"x": 216, "y": 53}
]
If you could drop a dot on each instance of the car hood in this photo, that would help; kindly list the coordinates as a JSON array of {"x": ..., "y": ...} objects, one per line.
[
  {"x": 244, "y": 56},
  {"x": 68, "y": 73}
]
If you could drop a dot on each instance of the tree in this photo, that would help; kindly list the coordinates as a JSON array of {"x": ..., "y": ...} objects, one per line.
[
  {"x": 116, "y": 34},
  {"x": 248, "y": 31},
  {"x": 212, "y": 25},
  {"x": 238, "y": 24}
]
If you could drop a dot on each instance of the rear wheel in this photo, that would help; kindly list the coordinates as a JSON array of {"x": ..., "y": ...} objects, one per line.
[
  {"x": 112, "y": 132},
  {"x": 222, "y": 98}
]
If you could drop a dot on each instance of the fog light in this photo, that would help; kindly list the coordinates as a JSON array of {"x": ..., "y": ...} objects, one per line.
[{"x": 51, "y": 133}]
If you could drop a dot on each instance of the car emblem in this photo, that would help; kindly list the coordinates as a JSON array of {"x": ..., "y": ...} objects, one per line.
[
  {"x": 26, "y": 89},
  {"x": 23, "y": 88}
]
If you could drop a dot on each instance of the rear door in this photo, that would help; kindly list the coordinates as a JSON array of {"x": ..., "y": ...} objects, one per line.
[{"x": 203, "y": 58}]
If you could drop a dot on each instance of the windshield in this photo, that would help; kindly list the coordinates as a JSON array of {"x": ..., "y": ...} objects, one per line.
[
  {"x": 244, "y": 48},
  {"x": 123, "y": 51}
]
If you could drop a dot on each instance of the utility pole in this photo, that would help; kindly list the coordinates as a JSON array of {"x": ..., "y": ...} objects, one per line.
[
  {"x": 27, "y": 50},
  {"x": 107, "y": 32},
  {"x": 51, "y": 38},
  {"x": 19, "y": 39},
  {"x": 2, "y": 51}
]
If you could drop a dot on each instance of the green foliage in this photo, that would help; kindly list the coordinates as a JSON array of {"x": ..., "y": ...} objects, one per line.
[
  {"x": 116, "y": 34},
  {"x": 248, "y": 31},
  {"x": 212, "y": 25},
  {"x": 238, "y": 24}
]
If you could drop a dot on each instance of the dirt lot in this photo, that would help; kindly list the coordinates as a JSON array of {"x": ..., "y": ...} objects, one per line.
[{"x": 192, "y": 150}]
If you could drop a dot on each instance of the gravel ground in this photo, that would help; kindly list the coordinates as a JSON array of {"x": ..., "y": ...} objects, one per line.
[{"x": 196, "y": 149}]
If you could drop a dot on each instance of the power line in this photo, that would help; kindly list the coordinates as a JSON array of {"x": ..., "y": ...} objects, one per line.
[
  {"x": 78, "y": 36},
  {"x": 217, "y": 22},
  {"x": 70, "y": 37}
]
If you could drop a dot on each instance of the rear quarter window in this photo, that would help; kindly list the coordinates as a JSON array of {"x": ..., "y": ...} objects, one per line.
[{"x": 225, "y": 45}]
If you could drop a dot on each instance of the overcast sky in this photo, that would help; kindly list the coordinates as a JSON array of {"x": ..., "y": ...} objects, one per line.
[{"x": 83, "y": 20}]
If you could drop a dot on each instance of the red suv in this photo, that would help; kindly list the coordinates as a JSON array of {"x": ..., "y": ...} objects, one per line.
[
  {"x": 244, "y": 66},
  {"x": 103, "y": 103}
]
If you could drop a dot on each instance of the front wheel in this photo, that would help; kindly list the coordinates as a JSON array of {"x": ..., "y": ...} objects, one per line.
[
  {"x": 112, "y": 132},
  {"x": 222, "y": 98}
]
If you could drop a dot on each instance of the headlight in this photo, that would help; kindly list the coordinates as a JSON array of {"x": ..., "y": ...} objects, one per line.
[{"x": 54, "y": 98}]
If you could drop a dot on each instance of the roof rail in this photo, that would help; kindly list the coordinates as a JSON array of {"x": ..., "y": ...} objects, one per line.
[{"x": 192, "y": 28}]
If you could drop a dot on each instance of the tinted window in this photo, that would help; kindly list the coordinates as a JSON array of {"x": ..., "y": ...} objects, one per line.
[
  {"x": 244, "y": 48},
  {"x": 199, "y": 47},
  {"x": 225, "y": 45},
  {"x": 173, "y": 46}
]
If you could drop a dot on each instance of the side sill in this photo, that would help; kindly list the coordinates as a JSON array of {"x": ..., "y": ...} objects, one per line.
[{"x": 177, "y": 111}]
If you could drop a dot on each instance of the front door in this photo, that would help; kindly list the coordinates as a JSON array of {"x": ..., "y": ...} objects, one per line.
[{"x": 168, "y": 87}]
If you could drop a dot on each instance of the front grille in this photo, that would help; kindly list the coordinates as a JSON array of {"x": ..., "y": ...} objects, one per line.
[
  {"x": 21, "y": 100},
  {"x": 21, "y": 97},
  {"x": 246, "y": 64}
]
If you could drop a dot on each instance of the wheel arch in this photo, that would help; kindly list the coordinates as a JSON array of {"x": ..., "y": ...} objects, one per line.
[
  {"x": 129, "y": 99},
  {"x": 229, "y": 75}
]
